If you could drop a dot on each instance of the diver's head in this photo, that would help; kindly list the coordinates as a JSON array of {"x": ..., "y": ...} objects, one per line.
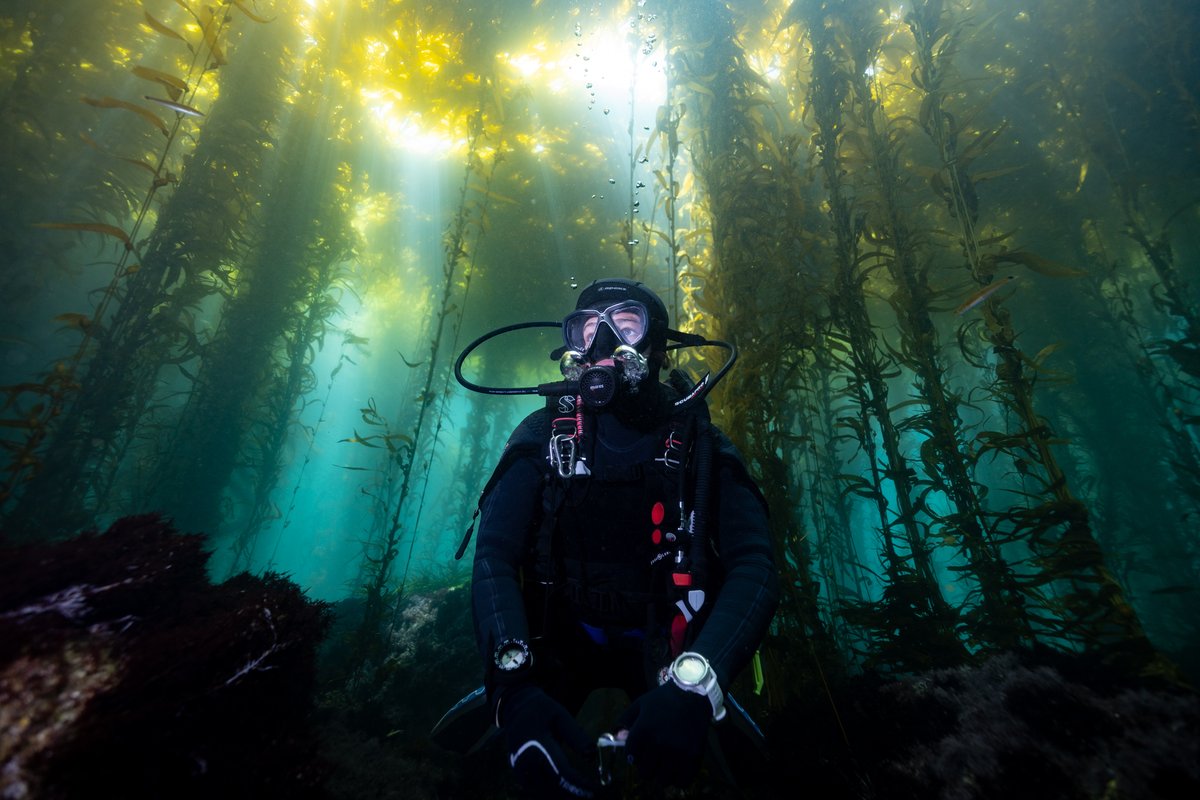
[
  {"x": 617, "y": 311},
  {"x": 616, "y": 339}
]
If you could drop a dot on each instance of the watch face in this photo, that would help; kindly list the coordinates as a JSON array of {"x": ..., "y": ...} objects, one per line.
[
  {"x": 690, "y": 670},
  {"x": 512, "y": 655}
]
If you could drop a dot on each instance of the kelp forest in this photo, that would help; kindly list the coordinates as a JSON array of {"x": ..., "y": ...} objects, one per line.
[{"x": 242, "y": 243}]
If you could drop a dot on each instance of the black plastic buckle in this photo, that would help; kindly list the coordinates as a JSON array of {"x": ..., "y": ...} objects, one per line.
[{"x": 674, "y": 455}]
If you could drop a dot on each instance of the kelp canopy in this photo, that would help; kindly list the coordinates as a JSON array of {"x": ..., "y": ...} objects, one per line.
[{"x": 955, "y": 241}]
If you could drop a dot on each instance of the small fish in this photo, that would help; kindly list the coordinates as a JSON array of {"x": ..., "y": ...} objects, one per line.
[
  {"x": 171, "y": 104},
  {"x": 983, "y": 294}
]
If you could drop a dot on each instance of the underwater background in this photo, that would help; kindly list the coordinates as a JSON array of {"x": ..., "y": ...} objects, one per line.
[{"x": 242, "y": 244}]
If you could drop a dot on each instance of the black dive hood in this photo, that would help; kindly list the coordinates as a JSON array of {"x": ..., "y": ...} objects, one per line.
[{"x": 596, "y": 385}]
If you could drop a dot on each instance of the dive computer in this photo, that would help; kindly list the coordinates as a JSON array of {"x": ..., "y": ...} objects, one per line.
[{"x": 692, "y": 673}]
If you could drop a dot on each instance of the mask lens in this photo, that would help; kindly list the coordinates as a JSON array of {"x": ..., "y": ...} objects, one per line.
[{"x": 629, "y": 320}]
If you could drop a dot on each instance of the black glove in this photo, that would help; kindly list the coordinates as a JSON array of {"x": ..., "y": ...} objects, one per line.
[
  {"x": 535, "y": 728},
  {"x": 668, "y": 729}
]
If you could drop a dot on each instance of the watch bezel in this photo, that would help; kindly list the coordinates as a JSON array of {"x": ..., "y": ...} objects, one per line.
[
  {"x": 512, "y": 644},
  {"x": 691, "y": 658}
]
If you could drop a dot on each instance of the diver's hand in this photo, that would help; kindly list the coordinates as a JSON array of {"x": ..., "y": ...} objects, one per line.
[
  {"x": 535, "y": 729},
  {"x": 668, "y": 728}
]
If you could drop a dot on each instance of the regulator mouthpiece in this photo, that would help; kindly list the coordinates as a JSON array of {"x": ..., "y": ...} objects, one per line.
[{"x": 598, "y": 386}]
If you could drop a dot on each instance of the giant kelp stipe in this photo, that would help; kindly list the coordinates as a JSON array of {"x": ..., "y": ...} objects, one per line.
[{"x": 955, "y": 243}]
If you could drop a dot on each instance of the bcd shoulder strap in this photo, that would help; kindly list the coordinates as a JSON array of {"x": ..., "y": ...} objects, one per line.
[{"x": 527, "y": 439}]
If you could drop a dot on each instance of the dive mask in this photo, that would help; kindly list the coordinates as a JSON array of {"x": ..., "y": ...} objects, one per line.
[{"x": 627, "y": 323}]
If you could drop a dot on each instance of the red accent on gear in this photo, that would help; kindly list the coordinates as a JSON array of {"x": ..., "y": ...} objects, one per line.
[
  {"x": 656, "y": 537},
  {"x": 681, "y": 579},
  {"x": 678, "y": 628},
  {"x": 657, "y": 513}
]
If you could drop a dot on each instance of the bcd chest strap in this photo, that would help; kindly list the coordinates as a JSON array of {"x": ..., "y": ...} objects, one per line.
[{"x": 527, "y": 439}]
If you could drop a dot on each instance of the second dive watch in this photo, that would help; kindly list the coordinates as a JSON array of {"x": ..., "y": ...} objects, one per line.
[{"x": 511, "y": 655}]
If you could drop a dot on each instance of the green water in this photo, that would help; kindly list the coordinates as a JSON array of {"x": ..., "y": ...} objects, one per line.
[{"x": 258, "y": 343}]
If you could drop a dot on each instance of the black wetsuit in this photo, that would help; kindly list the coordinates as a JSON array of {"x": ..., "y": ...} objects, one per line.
[{"x": 587, "y": 644}]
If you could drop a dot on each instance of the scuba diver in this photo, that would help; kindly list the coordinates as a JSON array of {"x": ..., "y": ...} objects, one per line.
[{"x": 623, "y": 545}]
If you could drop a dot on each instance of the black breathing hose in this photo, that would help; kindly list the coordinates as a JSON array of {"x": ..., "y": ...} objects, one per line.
[
  {"x": 475, "y": 387},
  {"x": 700, "y": 506},
  {"x": 572, "y": 387}
]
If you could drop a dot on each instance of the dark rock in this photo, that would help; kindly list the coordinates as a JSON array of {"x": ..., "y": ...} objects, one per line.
[
  {"x": 125, "y": 672},
  {"x": 1029, "y": 725}
]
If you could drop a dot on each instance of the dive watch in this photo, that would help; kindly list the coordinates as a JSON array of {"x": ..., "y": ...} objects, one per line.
[
  {"x": 692, "y": 673},
  {"x": 511, "y": 655}
]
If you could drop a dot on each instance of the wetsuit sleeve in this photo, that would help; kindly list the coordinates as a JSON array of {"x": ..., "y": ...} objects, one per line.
[
  {"x": 506, "y": 523},
  {"x": 749, "y": 593}
]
